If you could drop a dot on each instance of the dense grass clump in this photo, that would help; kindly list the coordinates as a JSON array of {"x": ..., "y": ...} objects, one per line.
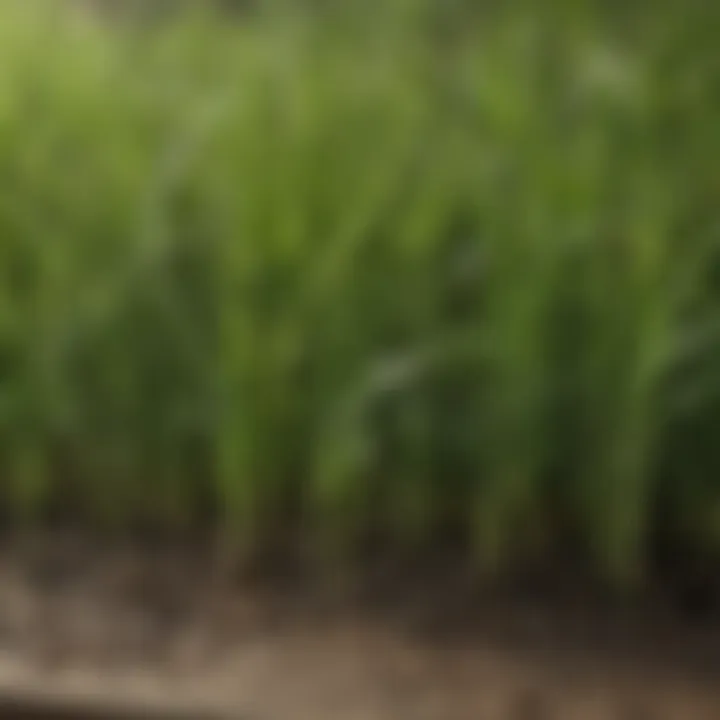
[{"x": 353, "y": 280}]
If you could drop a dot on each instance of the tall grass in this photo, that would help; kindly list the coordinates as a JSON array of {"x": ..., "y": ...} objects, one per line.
[{"x": 349, "y": 281}]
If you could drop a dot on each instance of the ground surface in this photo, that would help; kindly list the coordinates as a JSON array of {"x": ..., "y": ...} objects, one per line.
[{"x": 118, "y": 624}]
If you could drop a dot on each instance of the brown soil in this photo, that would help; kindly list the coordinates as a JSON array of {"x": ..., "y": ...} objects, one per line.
[{"x": 114, "y": 624}]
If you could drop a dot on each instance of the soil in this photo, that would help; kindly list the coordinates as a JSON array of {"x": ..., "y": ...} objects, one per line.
[{"x": 110, "y": 624}]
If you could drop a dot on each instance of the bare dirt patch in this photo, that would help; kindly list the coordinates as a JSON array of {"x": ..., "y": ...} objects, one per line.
[{"x": 105, "y": 625}]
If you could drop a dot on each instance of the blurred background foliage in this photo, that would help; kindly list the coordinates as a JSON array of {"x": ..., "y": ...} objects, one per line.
[{"x": 351, "y": 270}]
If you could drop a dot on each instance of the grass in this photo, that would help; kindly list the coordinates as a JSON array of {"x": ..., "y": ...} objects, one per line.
[{"x": 348, "y": 280}]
